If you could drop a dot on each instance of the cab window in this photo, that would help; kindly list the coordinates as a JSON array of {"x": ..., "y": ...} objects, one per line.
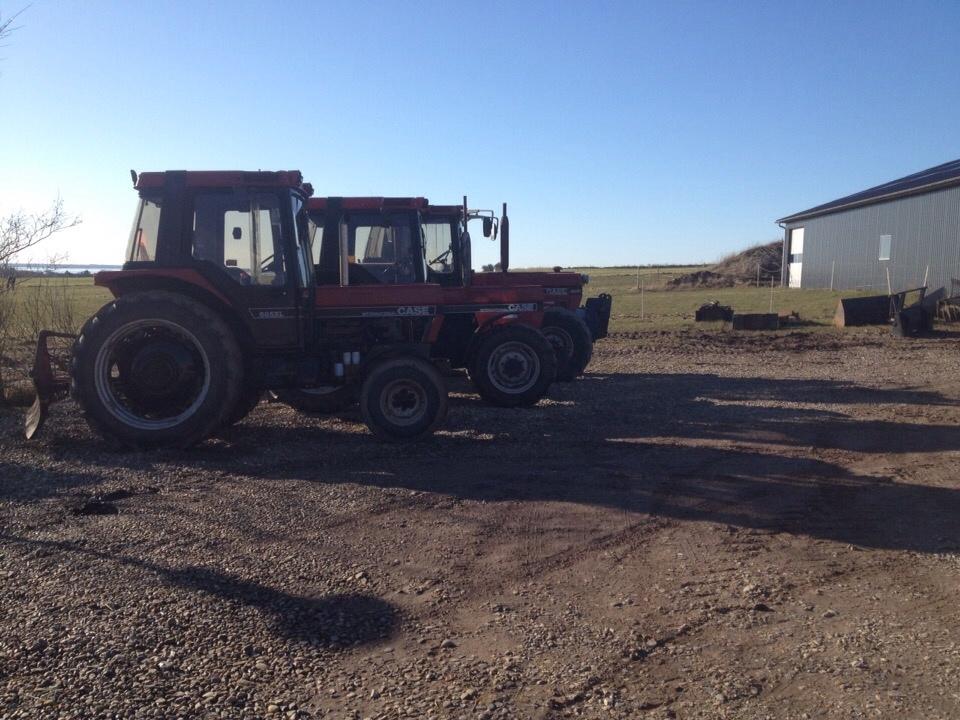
[
  {"x": 242, "y": 234},
  {"x": 438, "y": 246},
  {"x": 142, "y": 246},
  {"x": 382, "y": 249},
  {"x": 316, "y": 236}
]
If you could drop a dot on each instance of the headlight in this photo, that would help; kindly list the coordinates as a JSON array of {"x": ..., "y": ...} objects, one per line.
[{"x": 584, "y": 278}]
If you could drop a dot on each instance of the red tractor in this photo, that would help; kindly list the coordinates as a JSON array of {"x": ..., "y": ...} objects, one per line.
[
  {"x": 570, "y": 328},
  {"x": 220, "y": 299},
  {"x": 396, "y": 243},
  {"x": 375, "y": 247}
]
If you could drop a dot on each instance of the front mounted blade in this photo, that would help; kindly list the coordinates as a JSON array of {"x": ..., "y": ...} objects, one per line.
[
  {"x": 36, "y": 417},
  {"x": 51, "y": 381}
]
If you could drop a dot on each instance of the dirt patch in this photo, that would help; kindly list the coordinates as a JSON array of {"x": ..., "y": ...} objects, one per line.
[
  {"x": 708, "y": 524},
  {"x": 758, "y": 263}
]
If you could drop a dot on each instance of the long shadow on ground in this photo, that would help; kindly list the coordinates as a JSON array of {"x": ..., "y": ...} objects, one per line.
[
  {"x": 338, "y": 620},
  {"x": 749, "y": 452}
]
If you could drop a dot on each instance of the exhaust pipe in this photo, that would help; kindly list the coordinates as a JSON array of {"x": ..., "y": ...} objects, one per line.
[
  {"x": 504, "y": 240},
  {"x": 466, "y": 261}
]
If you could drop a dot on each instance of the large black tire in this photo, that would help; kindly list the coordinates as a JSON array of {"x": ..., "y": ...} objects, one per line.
[
  {"x": 571, "y": 341},
  {"x": 156, "y": 369},
  {"x": 513, "y": 366},
  {"x": 248, "y": 399},
  {"x": 403, "y": 399},
  {"x": 319, "y": 401}
]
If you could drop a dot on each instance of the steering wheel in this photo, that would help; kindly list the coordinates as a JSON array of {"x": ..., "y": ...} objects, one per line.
[{"x": 441, "y": 257}]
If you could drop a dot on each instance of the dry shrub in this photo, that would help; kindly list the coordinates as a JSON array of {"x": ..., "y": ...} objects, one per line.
[
  {"x": 6, "y": 326},
  {"x": 43, "y": 304}
]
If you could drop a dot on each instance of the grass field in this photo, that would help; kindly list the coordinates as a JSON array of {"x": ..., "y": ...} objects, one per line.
[
  {"x": 85, "y": 297},
  {"x": 654, "y": 308},
  {"x": 657, "y": 307}
]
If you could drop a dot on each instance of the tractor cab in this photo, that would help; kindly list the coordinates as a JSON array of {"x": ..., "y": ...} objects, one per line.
[
  {"x": 447, "y": 241},
  {"x": 240, "y": 236},
  {"x": 367, "y": 241},
  {"x": 395, "y": 241}
]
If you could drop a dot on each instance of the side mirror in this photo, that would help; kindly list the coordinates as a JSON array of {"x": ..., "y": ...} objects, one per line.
[
  {"x": 487, "y": 227},
  {"x": 237, "y": 233}
]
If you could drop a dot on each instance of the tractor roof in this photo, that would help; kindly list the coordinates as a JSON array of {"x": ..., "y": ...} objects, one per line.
[
  {"x": 223, "y": 178},
  {"x": 370, "y": 203}
]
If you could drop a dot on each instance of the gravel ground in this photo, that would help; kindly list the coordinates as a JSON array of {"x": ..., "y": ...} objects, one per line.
[{"x": 707, "y": 525}]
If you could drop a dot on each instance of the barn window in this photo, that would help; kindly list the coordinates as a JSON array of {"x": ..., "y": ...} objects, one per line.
[{"x": 885, "y": 241}]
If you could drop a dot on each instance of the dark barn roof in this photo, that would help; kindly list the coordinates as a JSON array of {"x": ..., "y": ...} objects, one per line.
[{"x": 935, "y": 178}]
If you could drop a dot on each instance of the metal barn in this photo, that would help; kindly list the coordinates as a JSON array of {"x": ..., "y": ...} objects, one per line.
[{"x": 903, "y": 234}]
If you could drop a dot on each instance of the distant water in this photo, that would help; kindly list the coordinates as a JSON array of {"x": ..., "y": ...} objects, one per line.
[{"x": 72, "y": 269}]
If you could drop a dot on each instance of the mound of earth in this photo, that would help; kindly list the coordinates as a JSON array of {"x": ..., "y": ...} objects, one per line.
[
  {"x": 702, "y": 278},
  {"x": 738, "y": 269}
]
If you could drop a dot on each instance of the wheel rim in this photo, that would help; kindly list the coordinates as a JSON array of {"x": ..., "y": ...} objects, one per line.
[
  {"x": 513, "y": 367},
  {"x": 403, "y": 402},
  {"x": 561, "y": 340},
  {"x": 152, "y": 374}
]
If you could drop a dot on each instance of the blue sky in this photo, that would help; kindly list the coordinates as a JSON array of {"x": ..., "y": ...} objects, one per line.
[{"x": 619, "y": 132}]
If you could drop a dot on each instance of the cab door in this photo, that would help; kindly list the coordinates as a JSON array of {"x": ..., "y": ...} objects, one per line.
[{"x": 244, "y": 243}]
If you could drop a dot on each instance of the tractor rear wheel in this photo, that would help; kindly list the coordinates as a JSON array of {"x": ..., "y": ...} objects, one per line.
[
  {"x": 248, "y": 399},
  {"x": 513, "y": 366},
  {"x": 571, "y": 341},
  {"x": 319, "y": 400},
  {"x": 403, "y": 399},
  {"x": 156, "y": 369}
]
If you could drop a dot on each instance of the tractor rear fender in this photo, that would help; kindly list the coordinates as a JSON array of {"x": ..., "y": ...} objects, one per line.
[{"x": 192, "y": 285}]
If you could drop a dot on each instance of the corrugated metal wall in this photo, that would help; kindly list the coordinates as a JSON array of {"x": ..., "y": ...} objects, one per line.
[{"x": 925, "y": 230}]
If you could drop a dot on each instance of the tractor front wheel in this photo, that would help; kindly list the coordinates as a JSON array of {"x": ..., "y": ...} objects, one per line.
[
  {"x": 513, "y": 366},
  {"x": 156, "y": 369},
  {"x": 571, "y": 341},
  {"x": 403, "y": 399}
]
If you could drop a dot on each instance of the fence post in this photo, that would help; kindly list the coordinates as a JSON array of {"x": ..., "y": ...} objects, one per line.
[{"x": 833, "y": 270}]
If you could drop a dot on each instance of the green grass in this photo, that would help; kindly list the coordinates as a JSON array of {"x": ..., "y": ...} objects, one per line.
[
  {"x": 658, "y": 308},
  {"x": 85, "y": 297}
]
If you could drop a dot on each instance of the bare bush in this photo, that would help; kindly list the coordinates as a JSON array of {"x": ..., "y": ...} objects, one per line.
[
  {"x": 21, "y": 230},
  {"x": 44, "y": 305},
  {"x": 6, "y": 328}
]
